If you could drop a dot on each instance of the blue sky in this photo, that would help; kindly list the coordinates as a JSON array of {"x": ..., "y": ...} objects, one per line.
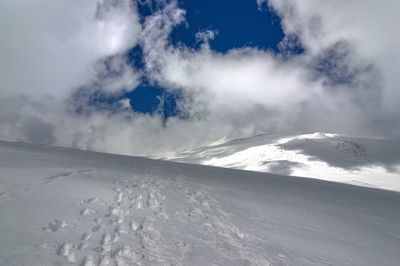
[
  {"x": 237, "y": 24},
  {"x": 147, "y": 76}
]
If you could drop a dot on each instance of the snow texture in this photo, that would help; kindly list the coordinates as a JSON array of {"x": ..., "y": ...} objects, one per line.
[
  {"x": 358, "y": 161},
  {"x": 69, "y": 207}
]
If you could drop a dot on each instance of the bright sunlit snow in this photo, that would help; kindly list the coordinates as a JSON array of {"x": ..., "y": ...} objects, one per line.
[{"x": 365, "y": 162}]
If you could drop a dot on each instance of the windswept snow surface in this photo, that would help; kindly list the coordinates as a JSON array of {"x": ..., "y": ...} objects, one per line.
[
  {"x": 359, "y": 161},
  {"x": 69, "y": 207}
]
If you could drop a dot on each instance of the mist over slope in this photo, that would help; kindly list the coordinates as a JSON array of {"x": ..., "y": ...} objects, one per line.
[
  {"x": 68, "y": 207},
  {"x": 360, "y": 161}
]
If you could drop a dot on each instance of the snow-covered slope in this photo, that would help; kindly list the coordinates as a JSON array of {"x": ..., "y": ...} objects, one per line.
[
  {"x": 69, "y": 207},
  {"x": 360, "y": 161}
]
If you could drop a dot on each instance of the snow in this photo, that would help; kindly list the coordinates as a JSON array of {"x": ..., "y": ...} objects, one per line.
[
  {"x": 359, "y": 161},
  {"x": 68, "y": 207}
]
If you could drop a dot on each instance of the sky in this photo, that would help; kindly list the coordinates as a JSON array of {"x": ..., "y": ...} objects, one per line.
[{"x": 148, "y": 77}]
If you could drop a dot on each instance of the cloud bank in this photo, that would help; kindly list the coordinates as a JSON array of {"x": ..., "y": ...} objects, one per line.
[
  {"x": 345, "y": 80},
  {"x": 49, "y": 48}
]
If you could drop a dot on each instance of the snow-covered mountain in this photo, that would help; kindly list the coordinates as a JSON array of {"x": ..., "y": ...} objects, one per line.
[
  {"x": 360, "y": 161},
  {"x": 68, "y": 207}
]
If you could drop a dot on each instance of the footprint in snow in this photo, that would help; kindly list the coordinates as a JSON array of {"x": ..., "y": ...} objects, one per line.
[{"x": 55, "y": 226}]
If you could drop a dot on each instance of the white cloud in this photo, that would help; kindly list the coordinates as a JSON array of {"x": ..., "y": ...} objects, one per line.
[
  {"x": 345, "y": 82},
  {"x": 113, "y": 74},
  {"x": 206, "y": 36},
  {"x": 251, "y": 89},
  {"x": 261, "y": 4},
  {"x": 366, "y": 28},
  {"x": 50, "y": 47}
]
